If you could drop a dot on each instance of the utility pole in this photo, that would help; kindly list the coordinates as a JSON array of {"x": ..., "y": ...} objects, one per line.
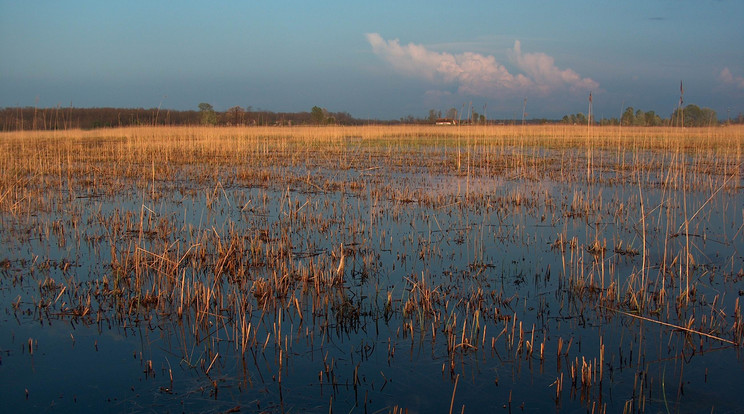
[
  {"x": 681, "y": 102},
  {"x": 524, "y": 109}
]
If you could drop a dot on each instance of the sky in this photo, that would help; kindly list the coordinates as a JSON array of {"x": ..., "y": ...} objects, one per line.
[{"x": 378, "y": 59}]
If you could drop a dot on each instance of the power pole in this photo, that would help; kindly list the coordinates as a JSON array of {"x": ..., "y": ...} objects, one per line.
[
  {"x": 681, "y": 102},
  {"x": 524, "y": 109}
]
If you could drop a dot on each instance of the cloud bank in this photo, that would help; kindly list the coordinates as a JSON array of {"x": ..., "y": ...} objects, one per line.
[
  {"x": 729, "y": 79},
  {"x": 480, "y": 75}
]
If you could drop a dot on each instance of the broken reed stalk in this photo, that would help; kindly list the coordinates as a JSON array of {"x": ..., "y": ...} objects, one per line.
[
  {"x": 452, "y": 401},
  {"x": 671, "y": 325}
]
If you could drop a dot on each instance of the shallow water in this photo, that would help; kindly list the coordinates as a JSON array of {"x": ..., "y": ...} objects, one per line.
[{"x": 451, "y": 284}]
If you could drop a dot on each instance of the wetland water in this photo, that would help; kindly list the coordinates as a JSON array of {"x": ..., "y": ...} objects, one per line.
[{"x": 229, "y": 272}]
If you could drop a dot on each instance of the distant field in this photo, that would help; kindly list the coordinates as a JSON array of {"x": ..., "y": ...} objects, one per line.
[{"x": 375, "y": 268}]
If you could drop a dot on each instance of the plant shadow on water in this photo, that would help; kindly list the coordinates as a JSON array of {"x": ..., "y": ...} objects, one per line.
[{"x": 494, "y": 269}]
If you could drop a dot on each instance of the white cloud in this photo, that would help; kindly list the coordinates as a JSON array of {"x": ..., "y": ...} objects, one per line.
[
  {"x": 729, "y": 79},
  {"x": 478, "y": 74},
  {"x": 415, "y": 59},
  {"x": 542, "y": 70}
]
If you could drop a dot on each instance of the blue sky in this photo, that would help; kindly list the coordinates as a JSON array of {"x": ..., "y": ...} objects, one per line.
[{"x": 383, "y": 59}]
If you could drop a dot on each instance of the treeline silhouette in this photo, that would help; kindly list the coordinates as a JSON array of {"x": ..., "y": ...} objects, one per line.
[
  {"x": 689, "y": 116},
  {"x": 31, "y": 118}
]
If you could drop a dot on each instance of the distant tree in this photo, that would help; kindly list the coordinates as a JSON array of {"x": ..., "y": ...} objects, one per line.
[
  {"x": 575, "y": 119},
  {"x": 317, "y": 114},
  {"x": 639, "y": 119},
  {"x": 208, "y": 115},
  {"x": 634, "y": 117},
  {"x": 693, "y": 116},
  {"x": 610, "y": 121},
  {"x": 434, "y": 115},
  {"x": 652, "y": 119},
  {"x": 236, "y": 115},
  {"x": 451, "y": 113},
  {"x": 343, "y": 118},
  {"x": 475, "y": 117},
  {"x": 628, "y": 117}
]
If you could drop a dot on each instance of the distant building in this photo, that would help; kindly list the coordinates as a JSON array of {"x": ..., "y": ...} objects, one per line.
[{"x": 446, "y": 121}]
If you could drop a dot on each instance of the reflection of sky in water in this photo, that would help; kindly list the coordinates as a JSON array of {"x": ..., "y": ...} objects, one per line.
[{"x": 503, "y": 244}]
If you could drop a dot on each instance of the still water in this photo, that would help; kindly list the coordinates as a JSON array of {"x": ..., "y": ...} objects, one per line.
[{"x": 376, "y": 290}]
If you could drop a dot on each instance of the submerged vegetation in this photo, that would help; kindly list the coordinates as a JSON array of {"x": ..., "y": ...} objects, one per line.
[{"x": 373, "y": 268}]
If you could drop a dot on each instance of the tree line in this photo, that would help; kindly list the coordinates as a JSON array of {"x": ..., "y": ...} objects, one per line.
[
  {"x": 689, "y": 116},
  {"x": 31, "y": 118}
]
